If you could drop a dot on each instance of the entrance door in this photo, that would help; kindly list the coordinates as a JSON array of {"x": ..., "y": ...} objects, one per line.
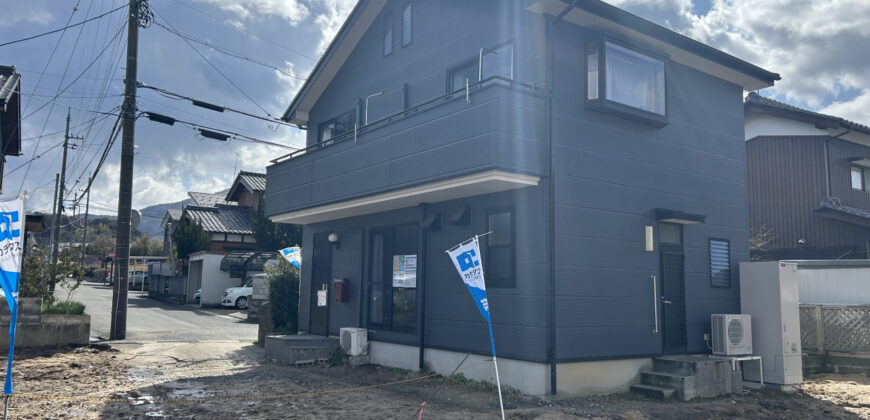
[
  {"x": 321, "y": 272},
  {"x": 673, "y": 296}
]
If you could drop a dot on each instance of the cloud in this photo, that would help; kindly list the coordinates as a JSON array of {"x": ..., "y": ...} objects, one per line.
[
  {"x": 292, "y": 11},
  {"x": 38, "y": 11},
  {"x": 856, "y": 109},
  {"x": 815, "y": 46},
  {"x": 330, "y": 20}
]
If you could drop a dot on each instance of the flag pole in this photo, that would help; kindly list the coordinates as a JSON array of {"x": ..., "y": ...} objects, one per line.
[{"x": 495, "y": 365}]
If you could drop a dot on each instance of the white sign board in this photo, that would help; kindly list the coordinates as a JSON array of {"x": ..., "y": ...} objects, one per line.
[
  {"x": 321, "y": 298},
  {"x": 405, "y": 271}
]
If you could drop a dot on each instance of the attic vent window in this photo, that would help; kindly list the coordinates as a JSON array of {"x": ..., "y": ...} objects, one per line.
[{"x": 626, "y": 81}]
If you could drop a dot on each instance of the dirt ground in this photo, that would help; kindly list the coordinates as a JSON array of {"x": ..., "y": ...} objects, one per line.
[{"x": 217, "y": 380}]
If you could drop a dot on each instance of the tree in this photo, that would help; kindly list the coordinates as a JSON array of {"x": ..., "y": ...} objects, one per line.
[
  {"x": 190, "y": 237},
  {"x": 273, "y": 236},
  {"x": 284, "y": 296},
  {"x": 146, "y": 246}
]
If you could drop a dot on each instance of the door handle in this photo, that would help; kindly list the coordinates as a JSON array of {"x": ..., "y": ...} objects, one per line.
[{"x": 666, "y": 301}]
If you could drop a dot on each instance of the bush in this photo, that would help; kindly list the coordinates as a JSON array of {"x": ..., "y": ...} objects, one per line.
[
  {"x": 64, "y": 308},
  {"x": 284, "y": 295}
]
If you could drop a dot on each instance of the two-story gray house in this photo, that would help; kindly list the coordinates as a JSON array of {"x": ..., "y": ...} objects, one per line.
[{"x": 604, "y": 153}]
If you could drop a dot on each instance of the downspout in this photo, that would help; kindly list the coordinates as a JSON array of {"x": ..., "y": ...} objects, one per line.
[
  {"x": 421, "y": 284},
  {"x": 552, "y": 193}
]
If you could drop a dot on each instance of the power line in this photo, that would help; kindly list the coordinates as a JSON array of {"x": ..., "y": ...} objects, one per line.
[
  {"x": 211, "y": 132},
  {"x": 62, "y": 29},
  {"x": 216, "y": 68},
  {"x": 229, "y": 52},
  {"x": 211, "y": 106},
  {"x": 217, "y": 19}
]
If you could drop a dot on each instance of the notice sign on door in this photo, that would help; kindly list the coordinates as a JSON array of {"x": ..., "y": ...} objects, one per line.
[
  {"x": 321, "y": 298},
  {"x": 405, "y": 271}
]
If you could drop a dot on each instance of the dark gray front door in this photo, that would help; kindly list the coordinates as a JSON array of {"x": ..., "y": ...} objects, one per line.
[
  {"x": 321, "y": 271},
  {"x": 673, "y": 294}
]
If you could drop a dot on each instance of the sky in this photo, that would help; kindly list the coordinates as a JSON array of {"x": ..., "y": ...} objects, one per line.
[{"x": 819, "y": 48}]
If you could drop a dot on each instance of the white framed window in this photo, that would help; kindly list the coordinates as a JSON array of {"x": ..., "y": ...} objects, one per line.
[{"x": 388, "y": 34}]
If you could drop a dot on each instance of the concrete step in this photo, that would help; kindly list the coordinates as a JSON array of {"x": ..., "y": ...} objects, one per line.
[
  {"x": 683, "y": 385},
  {"x": 652, "y": 391}
]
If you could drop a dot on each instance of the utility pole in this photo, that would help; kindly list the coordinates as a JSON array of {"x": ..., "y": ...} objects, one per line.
[
  {"x": 53, "y": 211},
  {"x": 85, "y": 233},
  {"x": 60, "y": 191},
  {"x": 137, "y": 14}
]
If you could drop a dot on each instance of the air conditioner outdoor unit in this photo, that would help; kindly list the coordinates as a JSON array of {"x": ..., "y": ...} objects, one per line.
[
  {"x": 732, "y": 334},
  {"x": 354, "y": 341}
]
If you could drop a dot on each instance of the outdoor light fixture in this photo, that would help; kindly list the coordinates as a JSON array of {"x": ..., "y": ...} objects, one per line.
[
  {"x": 648, "y": 240},
  {"x": 333, "y": 239}
]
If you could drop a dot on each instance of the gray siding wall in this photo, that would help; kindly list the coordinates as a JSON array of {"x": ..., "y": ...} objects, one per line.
[
  {"x": 787, "y": 182},
  {"x": 610, "y": 175}
]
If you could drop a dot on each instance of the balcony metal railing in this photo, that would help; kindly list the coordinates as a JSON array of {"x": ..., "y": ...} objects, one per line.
[{"x": 427, "y": 104}]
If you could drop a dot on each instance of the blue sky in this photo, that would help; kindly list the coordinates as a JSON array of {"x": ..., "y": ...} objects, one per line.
[{"x": 816, "y": 46}]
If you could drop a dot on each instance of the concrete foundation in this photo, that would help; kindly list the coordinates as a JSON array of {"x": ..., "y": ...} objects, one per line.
[
  {"x": 579, "y": 378},
  {"x": 840, "y": 363}
]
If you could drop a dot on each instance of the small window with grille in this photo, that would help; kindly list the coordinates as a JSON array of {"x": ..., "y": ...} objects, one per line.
[{"x": 720, "y": 263}]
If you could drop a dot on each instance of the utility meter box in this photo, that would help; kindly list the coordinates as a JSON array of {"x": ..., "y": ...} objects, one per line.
[{"x": 341, "y": 290}]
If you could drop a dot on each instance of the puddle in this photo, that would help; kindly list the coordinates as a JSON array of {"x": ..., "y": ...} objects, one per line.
[{"x": 192, "y": 390}]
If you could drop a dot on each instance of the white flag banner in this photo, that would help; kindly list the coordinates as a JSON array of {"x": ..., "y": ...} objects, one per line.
[{"x": 293, "y": 255}]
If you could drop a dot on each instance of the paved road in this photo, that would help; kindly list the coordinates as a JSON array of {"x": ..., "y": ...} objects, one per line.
[{"x": 152, "y": 320}]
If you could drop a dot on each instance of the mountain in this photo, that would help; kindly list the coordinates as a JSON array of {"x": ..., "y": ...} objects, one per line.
[{"x": 149, "y": 224}]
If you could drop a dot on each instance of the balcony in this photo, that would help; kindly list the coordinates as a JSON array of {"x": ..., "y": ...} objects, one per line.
[{"x": 488, "y": 139}]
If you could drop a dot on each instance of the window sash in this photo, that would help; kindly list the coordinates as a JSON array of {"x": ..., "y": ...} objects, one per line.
[
  {"x": 407, "y": 22},
  {"x": 388, "y": 35},
  {"x": 337, "y": 126},
  {"x": 500, "y": 259},
  {"x": 634, "y": 79},
  {"x": 858, "y": 179}
]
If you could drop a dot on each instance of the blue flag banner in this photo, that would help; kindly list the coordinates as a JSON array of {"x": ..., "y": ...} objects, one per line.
[
  {"x": 293, "y": 255},
  {"x": 11, "y": 247},
  {"x": 466, "y": 258}
]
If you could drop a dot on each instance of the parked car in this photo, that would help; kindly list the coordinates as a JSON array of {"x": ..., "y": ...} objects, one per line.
[
  {"x": 136, "y": 278},
  {"x": 109, "y": 280},
  {"x": 238, "y": 296},
  {"x": 197, "y": 295}
]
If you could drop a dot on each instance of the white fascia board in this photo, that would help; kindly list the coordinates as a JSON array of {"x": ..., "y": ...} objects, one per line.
[{"x": 461, "y": 187}]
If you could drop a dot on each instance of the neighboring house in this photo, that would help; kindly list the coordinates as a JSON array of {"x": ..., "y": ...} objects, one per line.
[
  {"x": 809, "y": 182},
  {"x": 247, "y": 189},
  {"x": 431, "y": 122},
  {"x": 229, "y": 227},
  {"x": 170, "y": 219},
  {"x": 10, "y": 116},
  {"x": 208, "y": 199}
]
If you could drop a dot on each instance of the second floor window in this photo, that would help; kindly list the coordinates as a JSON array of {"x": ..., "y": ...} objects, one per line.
[
  {"x": 388, "y": 34},
  {"x": 407, "y": 22},
  {"x": 633, "y": 81},
  {"x": 860, "y": 178},
  {"x": 335, "y": 127}
]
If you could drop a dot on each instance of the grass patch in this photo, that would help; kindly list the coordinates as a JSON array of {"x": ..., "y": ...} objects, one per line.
[{"x": 64, "y": 308}]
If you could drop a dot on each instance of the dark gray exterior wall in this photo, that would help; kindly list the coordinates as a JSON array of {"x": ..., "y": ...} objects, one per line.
[
  {"x": 786, "y": 185},
  {"x": 610, "y": 174}
]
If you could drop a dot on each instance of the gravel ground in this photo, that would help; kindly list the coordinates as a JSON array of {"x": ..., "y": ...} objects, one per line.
[{"x": 216, "y": 380}]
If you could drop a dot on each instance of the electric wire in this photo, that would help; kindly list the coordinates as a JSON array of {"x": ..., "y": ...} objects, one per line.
[
  {"x": 62, "y": 29},
  {"x": 231, "y": 134},
  {"x": 229, "y": 52},
  {"x": 174, "y": 95},
  {"x": 230, "y": 81}
]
